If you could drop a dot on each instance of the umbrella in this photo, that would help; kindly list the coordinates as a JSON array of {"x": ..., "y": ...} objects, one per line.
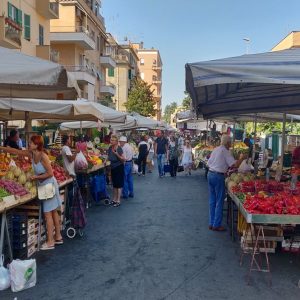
[{"x": 31, "y": 77}]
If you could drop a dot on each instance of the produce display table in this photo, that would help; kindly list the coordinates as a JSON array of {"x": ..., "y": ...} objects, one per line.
[
  {"x": 13, "y": 202},
  {"x": 255, "y": 232}
]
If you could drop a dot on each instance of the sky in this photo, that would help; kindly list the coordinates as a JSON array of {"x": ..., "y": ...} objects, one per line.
[{"x": 199, "y": 30}]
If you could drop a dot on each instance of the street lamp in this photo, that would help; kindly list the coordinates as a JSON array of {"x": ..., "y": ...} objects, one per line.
[{"x": 247, "y": 41}]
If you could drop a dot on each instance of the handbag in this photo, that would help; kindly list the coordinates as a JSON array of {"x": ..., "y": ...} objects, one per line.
[
  {"x": 46, "y": 191},
  {"x": 167, "y": 168},
  {"x": 180, "y": 169}
]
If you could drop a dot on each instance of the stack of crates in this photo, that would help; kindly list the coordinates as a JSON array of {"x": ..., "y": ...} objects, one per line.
[{"x": 19, "y": 243}]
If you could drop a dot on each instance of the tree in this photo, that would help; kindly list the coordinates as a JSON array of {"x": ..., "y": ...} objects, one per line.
[
  {"x": 140, "y": 99},
  {"x": 187, "y": 101},
  {"x": 108, "y": 101},
  {"x": 169, "y": 110}
]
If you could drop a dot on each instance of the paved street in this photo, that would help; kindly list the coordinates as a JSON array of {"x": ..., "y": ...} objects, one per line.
[{"x": 156, "y": 246}]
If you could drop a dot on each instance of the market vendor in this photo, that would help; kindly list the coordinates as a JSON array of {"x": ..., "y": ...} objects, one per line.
[
  {"x": 12, "y": 140},
  {"x": 219, "y": 162}
]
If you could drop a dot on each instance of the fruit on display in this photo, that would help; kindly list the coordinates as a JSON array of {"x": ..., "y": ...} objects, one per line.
[
  {"x": 4, "y": 163},
  {"x": 13, "y": 187},
  {"x": 3, "y": 193},
  {"x": 59, "y": 173},
  {"x": 239, "y": 148},
  {"x": 236, "y": 178},
  {"x": 94, "y": 160}
]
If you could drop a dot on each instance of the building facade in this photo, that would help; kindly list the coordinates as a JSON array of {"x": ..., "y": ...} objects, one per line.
[
  {"x": 25, "y": 26},
  {"x": 292, "y": 40},
  {"x": 150, "y": 68},
  {"x": 79, "y": 36}
]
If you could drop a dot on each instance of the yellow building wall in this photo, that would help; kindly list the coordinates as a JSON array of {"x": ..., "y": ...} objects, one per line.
[
  {"x": 66, "y": 21},
  {"x": 28, "y": 7}
]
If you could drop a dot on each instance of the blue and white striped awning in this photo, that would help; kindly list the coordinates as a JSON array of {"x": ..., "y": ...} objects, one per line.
[{"x": 264, "y": 82}]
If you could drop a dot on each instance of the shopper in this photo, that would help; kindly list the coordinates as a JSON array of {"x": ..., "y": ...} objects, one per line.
[
  {"x": 187, "y": 158},
  {"x": 161, "y": 151},
  {"x": 12, "y": 140},
  {"x": 128, "y": 178},
  {"x": 150, "y": 154},
  {"x": 173, "y": 156},
  {"x": 220, "y": 160},
  {"x": 142, "y": 157},
  {"x": 43, "y": 174},
  {"x": 68, "y": 157},
  {"x": 116, "y": 158}
]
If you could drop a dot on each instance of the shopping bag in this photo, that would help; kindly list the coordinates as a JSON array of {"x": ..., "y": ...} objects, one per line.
[
  {"x": 167, "y": 168},
  {"x": 80, "y": 162},
  {"x": 4, "y": 275},
  {"x": 22, "y": 274},
  {"x": 180, "y": 169}
]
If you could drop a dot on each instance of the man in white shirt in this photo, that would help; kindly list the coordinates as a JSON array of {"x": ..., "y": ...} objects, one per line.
[
  {"x": 68, "y": 156},
  {"x": 128, "y": 178},
  {"x": 150, "y": 154},
  {"x": 220, "y": 160}
]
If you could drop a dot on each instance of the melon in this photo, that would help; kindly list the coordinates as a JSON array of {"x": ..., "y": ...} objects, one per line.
[
  {"x": 10, "y": 175},
  {"x": 33, "y": 190},
  {"x": 28, "y": 185},
  {"x": 22, "y": 179},
  {"x": 28, "y": 175},
  {"x": 17, "y": 172}
]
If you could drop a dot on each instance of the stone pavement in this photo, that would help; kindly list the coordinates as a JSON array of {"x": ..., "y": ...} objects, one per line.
[{"x": 156, "y": 246}]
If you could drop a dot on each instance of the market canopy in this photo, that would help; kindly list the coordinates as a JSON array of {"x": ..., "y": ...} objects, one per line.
[
  {"x": 264, "y": 82},
  {"x": 24, "y": 76},
  {"x": 37, "y": 109}
]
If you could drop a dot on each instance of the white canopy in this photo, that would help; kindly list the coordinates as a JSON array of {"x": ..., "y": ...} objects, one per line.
[
  {"x": 263, "y": 82},
  {"x": 31, "y": 77},
  {"x": 14, "y": 109}
]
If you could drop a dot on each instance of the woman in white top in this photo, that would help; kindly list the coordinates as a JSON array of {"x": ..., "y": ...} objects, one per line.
[
  {"x": 187, "y": 158},
  {"x": 150, "y": 155}
]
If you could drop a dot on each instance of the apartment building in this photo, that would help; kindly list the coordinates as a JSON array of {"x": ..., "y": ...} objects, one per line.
[
  {"x": 79, "y": 36},
  {"x": 150, "y": 68},
  {"x": 124, "y": 73},
  {"x": 25, "y": 26},
  {"x": 292, "y": 40}
]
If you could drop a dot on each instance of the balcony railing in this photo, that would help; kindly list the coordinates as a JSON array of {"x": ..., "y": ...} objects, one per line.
[
  {"x": 86, "y": 69},
  {"x": 54, "y": 55},
  {"x": 54, "y": 6},
  {"x": 122, "y": 58},
  {"x": 10, "y": 33},
  {"x": 72, "y": 29}
]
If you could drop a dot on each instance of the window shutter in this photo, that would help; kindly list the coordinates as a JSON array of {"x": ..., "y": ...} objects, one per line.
[
  {"x": 10, "y": 10},
  {"x": 19, "y": 17},
  {"x": 129, "y": 74},
  {"x": 27, "y": 27},
  {"x": 111, "y": 72}
]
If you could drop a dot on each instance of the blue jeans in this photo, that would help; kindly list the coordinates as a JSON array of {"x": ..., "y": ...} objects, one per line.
[
  {"x": 160, "y": 163},
  {"x": 128, "y": 180},
  {"x": 216, "y": 187}
]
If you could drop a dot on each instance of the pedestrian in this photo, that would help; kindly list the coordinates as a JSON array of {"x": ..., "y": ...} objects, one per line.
[
  {"x": 173, "y": 156},
  {"x": 43, "y": 174},
  {"x": 187, "y": 158},
  {"x": 68, "y": 157},
  {"x": 161, "y": 151},
  {"x": 220, "y": 160},
  {"x": 150, "y": 154},
  {"x": 143, "y": 153},
  {"x": 20, "y": 141},
  {"x": 116, "y": 158},
  {"x": 12, "y": 140},
  {"x": 128, "y": 152}
]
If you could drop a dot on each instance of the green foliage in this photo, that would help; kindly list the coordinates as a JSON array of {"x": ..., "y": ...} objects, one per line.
[
  {"x": 140, "y": 99},
  {"x": 269, "y": 127},
  {"x": 187, "y": 102},
  {"x": 108, "y": 101},
  {"x": 169, "y": 110}
]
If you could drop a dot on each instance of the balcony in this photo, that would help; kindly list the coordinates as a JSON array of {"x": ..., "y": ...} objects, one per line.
[
  {"x": 49, "y": 9},
  {"x": 45, "y": 52},
  {"x": 156, "y": 68},
  {"x": 10, "y": 34},
  {"x": 156, "y": 80},
  {"x": 108, "y": 89},
  {"x": 107, "y": 61},
  {"x": 72, "y": 35},
  {"x": 120, "y": 58},
  {"x": 82, "y": 74}
]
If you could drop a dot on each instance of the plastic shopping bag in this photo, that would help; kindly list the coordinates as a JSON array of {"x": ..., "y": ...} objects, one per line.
[
  {"x": 22, "y": 274},
  {"x": 80, "y": 162},
  {"x": 4, "y": 275}
]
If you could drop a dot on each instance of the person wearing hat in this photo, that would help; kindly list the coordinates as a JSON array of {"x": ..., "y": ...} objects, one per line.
[{"x": 128, "y": 178}]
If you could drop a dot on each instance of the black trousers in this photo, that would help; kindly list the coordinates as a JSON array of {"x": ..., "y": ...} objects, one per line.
[
  {"x": 142, "y": 161},
  {"x": 173, "y": 166}
]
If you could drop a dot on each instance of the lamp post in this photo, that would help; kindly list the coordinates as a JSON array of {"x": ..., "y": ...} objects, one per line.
[{"x": 247, "y": 41}]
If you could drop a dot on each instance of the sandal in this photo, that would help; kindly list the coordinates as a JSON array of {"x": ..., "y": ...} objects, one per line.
[
  {"x": 112, "y": 203},
  {"x": 59, "y": 242},
  {"x": 46, "y": 247},
  {"x": 117, "y": 204}
]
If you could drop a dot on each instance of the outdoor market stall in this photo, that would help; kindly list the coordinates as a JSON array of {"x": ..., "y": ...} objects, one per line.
[{"x": 258, "y": 83}]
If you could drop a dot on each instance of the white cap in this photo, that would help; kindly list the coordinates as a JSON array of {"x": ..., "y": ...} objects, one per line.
[{"x": 123, "y": 139}]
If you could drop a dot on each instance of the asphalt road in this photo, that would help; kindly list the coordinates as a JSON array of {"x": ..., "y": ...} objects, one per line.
[{"x": 156, "y": 246}]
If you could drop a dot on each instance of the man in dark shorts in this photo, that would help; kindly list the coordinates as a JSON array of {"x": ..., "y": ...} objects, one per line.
[{"x": 161, "y": 151}]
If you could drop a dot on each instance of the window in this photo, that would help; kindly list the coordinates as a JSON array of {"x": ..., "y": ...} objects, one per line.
[
  {"x": 143, "y": 76},
  {"x": 129, "y": 74},
  {"x": 111, "y": 72},
  {"x": 41, "y": 35},
  {"x": 27, "y": 27},
  {"x": 142, "y": 61},
  {"x": 15, "y": 14},
  {"x": 98, "y": 43},
  {"x": 154, "y": 62}
]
